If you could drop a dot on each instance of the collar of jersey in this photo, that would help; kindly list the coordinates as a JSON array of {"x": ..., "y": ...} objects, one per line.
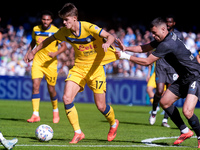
[
  {"x": 79, "y": 30},
  {"x": 47, "y": 28}
]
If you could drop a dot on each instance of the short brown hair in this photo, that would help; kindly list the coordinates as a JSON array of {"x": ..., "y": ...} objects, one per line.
[
  {"x": 157, "y": 22},
  {"x": 68, "y": 9}
]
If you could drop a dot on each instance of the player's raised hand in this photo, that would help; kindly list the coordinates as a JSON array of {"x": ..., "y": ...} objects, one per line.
[
  {"x": 119, "y": 44},
  {"x": 105, "y": 46}
]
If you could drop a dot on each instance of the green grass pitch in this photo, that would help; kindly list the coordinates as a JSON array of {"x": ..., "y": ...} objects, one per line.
[{"x": 133, "y": 128}]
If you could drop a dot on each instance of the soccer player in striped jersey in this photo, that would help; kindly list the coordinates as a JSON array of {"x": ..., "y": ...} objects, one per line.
[
  {"x": 44, "y": 64},
  {"x": 92, "y": 52}
]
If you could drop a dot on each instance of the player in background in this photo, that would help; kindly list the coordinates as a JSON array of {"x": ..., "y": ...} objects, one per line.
[
  {"x": 8, "y": 144},
  {"x": 165, "y": 75},
  {"x": 92, "y": 52},
  {"x": 198, "y": 56},
  {"x": 44, "y": 64},
  {"x": 171, "y": 22},
  {"x": 151, "y": 84},
  {"x": 174, "y": 51}
]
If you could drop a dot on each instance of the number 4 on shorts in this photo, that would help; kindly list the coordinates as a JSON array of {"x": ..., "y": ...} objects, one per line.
[{"x": 193, "y": 85}]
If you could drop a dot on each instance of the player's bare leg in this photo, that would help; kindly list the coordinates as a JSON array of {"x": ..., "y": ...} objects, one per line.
[
  {"x": 36, "y": 85},
  {"x": 54, "y": 101},
  {"x": 35, "y": 100},
  {"x": 71, "y": 90},
  {"x": 150, "y": 93},
  {"x": 108, "y": 112}
]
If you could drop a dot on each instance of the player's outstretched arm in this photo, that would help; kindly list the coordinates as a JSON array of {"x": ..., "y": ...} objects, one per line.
[
  {"x": 141, "y": 61},
  {"x": 42, "y": 45},
  {"x": 136, "y": 49}
]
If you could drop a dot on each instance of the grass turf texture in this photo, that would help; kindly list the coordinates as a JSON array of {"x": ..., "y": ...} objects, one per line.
[{"x": 133, "y": 128}]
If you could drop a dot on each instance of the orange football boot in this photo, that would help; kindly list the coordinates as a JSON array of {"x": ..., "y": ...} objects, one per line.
[
  {"x": 198, "y": 143},
  {"x": 34, "y": 118},
  {"x": 113, "y": 132},
  {"x": 77, "y": 137},
  {"x": 183, "y": 137}
]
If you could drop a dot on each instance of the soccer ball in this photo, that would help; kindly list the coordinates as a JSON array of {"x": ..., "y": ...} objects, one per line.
[{"x": 44, "y": 133}]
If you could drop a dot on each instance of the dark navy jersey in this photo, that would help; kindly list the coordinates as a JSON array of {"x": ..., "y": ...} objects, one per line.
[
  {"x": 162, "y": 61},
  {"x": 179, "y": 34},
  {"x": 174, "y": 51}
]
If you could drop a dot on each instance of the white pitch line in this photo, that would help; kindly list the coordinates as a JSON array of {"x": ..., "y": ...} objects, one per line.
[
  {"x": 150, "y": 140},
  {"x": 146, "y": 142},
  {"x": 26, "y": 145}
]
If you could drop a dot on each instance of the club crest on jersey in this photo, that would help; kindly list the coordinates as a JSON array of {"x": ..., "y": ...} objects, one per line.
[
  {"x": 85, "y": 40},
  {"x": 175, "y": 76}
]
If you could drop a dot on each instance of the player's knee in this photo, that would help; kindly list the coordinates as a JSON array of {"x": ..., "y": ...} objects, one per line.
[
  {"x": 67, "y": 99},
  {"x": 51, "y": 90},
  {"x": 101, "y": 107},
  {"x": 35, "y": 90},
  {"x": 164, "y": 104},
  {"x": 159, "y": 92},
  {"x": 148, "y": 89},
  {"x": 187, "y": 113}
]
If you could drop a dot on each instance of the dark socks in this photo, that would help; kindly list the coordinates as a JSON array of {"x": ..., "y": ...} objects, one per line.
[
  {"x": 156, "y": 100},
  {"x": 166, "y": 116},
  {"x": 194, "y": 123},
  {"x": 174, "y": 114}
]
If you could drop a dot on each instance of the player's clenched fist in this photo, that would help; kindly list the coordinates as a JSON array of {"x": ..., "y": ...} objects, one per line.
[{"x": 30, "y": 56}]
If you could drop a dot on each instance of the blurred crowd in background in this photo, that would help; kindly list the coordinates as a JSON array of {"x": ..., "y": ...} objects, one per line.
[{"x": 14, "y": 42}]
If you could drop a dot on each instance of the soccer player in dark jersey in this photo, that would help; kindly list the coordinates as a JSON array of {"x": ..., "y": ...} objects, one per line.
[
  {"x": 165, "y": 75},
  {"x": 171, "y": 22},
  {"x": 174, "y": 51}
]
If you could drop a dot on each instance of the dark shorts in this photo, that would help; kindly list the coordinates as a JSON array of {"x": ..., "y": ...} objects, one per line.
[
  {"x": 181, "y": 90},
  {"x": 165, "y": 74}
]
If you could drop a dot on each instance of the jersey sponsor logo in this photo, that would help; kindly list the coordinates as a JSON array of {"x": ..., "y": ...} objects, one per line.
[
  {"x": 87, "y": 53},
  {"x": 87, "y": 47}
]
